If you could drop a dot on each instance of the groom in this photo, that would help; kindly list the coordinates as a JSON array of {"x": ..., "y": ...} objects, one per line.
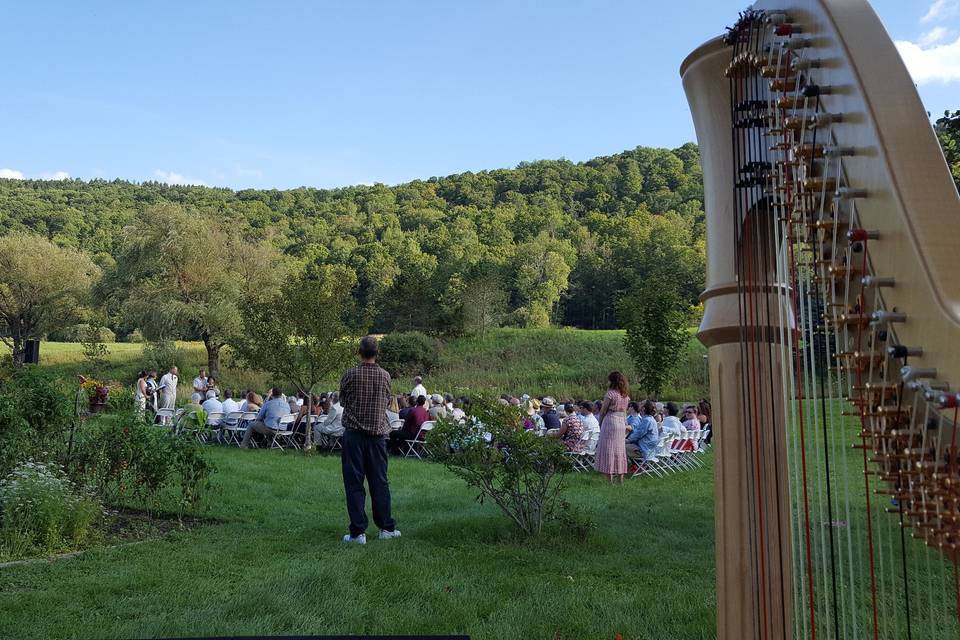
[{"x": 365, "y": 396}]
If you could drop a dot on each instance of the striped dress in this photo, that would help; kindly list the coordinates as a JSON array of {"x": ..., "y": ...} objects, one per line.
[{"x": 611, "y": 453}]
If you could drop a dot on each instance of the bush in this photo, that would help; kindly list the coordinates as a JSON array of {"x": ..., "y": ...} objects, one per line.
[
  {"x": 162, "y": 355},
  {"x": 135, "y": 336},
  {"x": 83, "y": 332},
  {"x": 41, "y": 510},
  {"x": 409, "y": 353},
  {"x": 34, "y": 416},
  {"x": 123, "y": 459},
  {"x": 520, "y": 471}
]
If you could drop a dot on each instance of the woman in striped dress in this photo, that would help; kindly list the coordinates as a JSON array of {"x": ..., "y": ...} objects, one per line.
[{"x": 611, "y": 453}]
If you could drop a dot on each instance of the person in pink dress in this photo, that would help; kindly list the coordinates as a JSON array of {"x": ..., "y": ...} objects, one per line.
[{"x": 611, "y": 453}]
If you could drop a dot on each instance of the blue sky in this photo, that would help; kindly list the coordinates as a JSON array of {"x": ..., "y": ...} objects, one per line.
[{"x": 282, "y": 94}]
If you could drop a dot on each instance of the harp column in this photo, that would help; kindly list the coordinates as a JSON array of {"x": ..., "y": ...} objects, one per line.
[{"x": 753, "y": 539}]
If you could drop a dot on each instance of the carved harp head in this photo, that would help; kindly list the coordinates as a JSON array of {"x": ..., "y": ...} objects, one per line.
[{"x": 832, "y": 315}]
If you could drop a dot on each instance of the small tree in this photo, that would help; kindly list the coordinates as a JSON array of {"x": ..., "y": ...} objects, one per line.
[
  {"x": 42, "y": 287},
  {"x": 298, "y": 335},
  {"x": 484, "y": 304},
  {"x": 520, "y": 471},
  {"x": 655, "y": 317}
]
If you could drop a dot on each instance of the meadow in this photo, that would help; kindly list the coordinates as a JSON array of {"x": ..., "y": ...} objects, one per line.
[
  {"x": 272, "y": 563},
  {"x": 564, "y": 362}
]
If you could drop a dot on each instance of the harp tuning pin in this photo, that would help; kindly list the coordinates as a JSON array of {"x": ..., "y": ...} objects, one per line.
[
  {"x": 796, "y": 44},
  {"x": 903, "y": 351},
  {"x": 948, "y": 400},
  {"x": 824, "y": 119},
  {"x": 876, "y": 281},
  {"x": 776, "y": 18},
  {"x": 814, "y": 90},
  {"x": 860, "y": 235},
  {"x": 802, "y": 64},
  {"x": 846, "y": 193},
  {"x": 837, "y": 152},
  {"x": 887, "y": 317},
  {"x": 916, "y": 373}
]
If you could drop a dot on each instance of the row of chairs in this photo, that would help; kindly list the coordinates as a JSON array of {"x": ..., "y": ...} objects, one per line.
[{"x": 673, "y": 453}]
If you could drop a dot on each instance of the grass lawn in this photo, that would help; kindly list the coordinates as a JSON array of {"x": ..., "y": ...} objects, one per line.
[
  {"x": 562, "y": 362},
  {"x": 275, "y": 564}
]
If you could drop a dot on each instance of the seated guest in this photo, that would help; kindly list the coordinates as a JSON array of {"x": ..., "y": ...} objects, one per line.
[
  {"x": 458, "y": 413},
  {"x": 644, "y": 433},
  {"x": 551, "y": 420},
  {"x": 571, "y": 429},
  {"x": 253, "y": 401},
  {"x": 268, "y": 417},
  {"x": 316, "y": 409},
  {"x": 335, "y": 402},
  {"x": 229, "y": 404},
  {"x": 196, "y": 398},
  {"x": 393, "y": 409},
  {"x": 703, "y": 415},
  {"x": 405, "y": 407},
  {"x": 671, "y": 424},
  {"x": 533, "y": 421},
  {"x": 438, "y": 409},
  {"x": 332, "y": 422},
  {"x": 414, "y": 420},
  {"x": 212, "y": 404},
  {"x": 590, "y": 422},
  {"x": 448, "y": 402},
  {"x": 692, "y": 427}
]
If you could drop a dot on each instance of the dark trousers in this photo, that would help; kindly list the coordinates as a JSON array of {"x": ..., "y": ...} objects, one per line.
[{"x": 365, "y": 456}]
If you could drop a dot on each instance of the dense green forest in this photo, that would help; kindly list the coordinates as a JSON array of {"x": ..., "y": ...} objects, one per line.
[{"x": 549, "y": 242}]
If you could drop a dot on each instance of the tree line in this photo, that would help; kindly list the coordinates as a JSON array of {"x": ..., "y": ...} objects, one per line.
[{"x": 548, "y": 242}]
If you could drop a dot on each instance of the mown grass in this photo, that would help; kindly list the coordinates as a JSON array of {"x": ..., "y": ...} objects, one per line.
[
  {"x": 275, "y": 564},
  {"x": 566, "y": 363}
]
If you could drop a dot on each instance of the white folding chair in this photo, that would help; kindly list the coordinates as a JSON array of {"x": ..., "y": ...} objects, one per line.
[
  {"x": 284, "y": 433},
  {"x": 164, "y": 417},
  {"x": 214, "y": 418},
  {"x": 396, "y": 425},
  {"x": 230, "y": 425},
  {"x": 418, "y": 447}
]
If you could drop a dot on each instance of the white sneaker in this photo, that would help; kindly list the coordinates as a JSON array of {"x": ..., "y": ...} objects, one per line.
[
  {"x": 360, "y": 539},
  {"x": 386, "y": 535}
]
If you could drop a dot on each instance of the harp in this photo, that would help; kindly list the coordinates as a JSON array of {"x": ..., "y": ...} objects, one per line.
[{"x": 832, "y": 318}]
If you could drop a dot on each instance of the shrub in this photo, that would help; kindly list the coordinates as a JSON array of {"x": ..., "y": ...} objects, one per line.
[
  {"x": 41, "y": 510},
  {"x": 82, "y": 333},
  {"x": 163, "y": 355},
  {"x": 409, "y": 353},
  {"x": 520, "y": 471},
  {"x": 34, "y": 416},
  {"x": 124, "y": 459},
  {"x": 135, "y": 336}
]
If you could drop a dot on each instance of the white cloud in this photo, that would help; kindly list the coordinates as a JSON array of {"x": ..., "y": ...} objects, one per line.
[
  {"x": 172, "y": 177},
  {"x": 930, "y": 64},
  {"x": 941, "y": 10},
  {"x": 56, "y": 175},
  {"x": 243, "y": 172},
  {"x": 932, "y": 37},
  {"x": 11, "y": 174}
]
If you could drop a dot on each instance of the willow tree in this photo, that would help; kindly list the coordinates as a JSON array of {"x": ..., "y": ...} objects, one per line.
[
  {"x": 42, "y": 287},
  {"x": 180, "y": 274}
]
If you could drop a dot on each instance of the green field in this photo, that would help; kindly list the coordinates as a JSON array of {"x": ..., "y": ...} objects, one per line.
[
  {"x": 566, "y": 363},
  {"x": 274, "y": 564}
]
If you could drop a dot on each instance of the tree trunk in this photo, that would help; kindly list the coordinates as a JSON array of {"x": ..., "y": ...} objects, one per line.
[
  {"x": 19, "y": 347},
  {"x": 213, "y": 356}
]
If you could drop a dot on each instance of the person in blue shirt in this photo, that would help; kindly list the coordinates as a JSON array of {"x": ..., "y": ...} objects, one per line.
[
  {"x": 645, "y": 433},
  {"x": 268, "y": 417}
]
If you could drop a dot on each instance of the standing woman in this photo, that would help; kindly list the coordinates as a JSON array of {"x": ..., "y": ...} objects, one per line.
[
  {"x": 611, "y": 452},
  {"x": 140, "y": 394}
]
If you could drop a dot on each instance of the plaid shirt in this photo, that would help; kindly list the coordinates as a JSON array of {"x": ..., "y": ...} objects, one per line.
[{"x": 365, "y": 396}]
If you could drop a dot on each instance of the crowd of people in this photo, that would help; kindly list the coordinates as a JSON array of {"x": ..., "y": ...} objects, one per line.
[{"x": 616, "y": 429}]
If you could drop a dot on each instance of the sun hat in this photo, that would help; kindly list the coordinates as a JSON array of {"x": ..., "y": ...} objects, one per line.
[
  {"x": 549, "y": 402},
  {"x": 436, "y": 398}
]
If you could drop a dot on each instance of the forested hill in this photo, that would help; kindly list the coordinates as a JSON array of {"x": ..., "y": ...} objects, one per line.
[{"x": 548, "y": 241}]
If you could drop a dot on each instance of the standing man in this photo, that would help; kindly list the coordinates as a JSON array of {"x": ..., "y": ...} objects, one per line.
[
  {"x": 365, "y": 396},
  {"x": 168, "y": 390},
  {"x": 201, "y": 383},
  {"x": 418, "y": 389}
]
